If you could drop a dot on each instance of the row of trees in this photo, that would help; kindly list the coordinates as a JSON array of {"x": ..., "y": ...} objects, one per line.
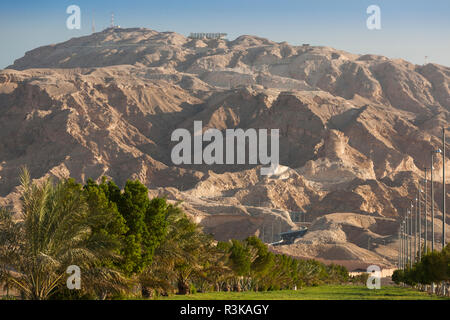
[
  {"x": 434, "y": 267},
  {"x": 254, "y": 267},
  {"x": 127, "y": 244},
  {"x": 190, "y": 261}
]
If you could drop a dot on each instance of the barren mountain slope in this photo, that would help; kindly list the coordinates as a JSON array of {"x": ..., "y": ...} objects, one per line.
[{"x": 355, "y": 131}]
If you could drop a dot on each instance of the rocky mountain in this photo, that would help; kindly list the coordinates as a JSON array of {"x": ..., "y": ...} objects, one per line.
[{"x": 356, "y": 131}]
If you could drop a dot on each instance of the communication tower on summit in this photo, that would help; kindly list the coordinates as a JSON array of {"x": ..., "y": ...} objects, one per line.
[{"x": 113, "y": 26}]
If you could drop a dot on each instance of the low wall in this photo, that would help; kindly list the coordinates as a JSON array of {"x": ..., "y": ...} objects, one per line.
[{"x": 384, "y": 273}]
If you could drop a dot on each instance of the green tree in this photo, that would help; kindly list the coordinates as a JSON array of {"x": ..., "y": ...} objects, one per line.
[
  {"x": 337, "y": 273},
  {"x": 240, "y": 258},
  {"x": 398, "y": 276},
  {"x": 54, "y": 230},
  {"x": 99, "y": 203},
  {"x": 184, "y": 255},
  {"x": 432, "y": 269},
  {"x": 139, "y": 222},
  {"x": 263, "y": 262},
  {"x": 264, "y": 258}
]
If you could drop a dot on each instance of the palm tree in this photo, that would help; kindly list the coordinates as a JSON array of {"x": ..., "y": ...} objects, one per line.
[
  {"x": 216, "y": 271},
  {"x": 53, "y": 231},
  {"x": 160, "y": 275},
  {"x": 179, "y": 258}
]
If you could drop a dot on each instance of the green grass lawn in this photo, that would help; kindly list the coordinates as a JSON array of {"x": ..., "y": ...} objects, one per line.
[{"x": 335, "y": 292}]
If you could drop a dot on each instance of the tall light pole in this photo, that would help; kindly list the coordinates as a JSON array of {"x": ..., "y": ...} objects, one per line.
[
  {"x": 432, "y": 198},
  {"x": 405, "y": 242},
  {"x": 432, "y": 204},
  {"x": 420, "y": 222},
  {"x": 415, "y": 231},
  {"x": 408, "y": 230},
  {"x": 402, "y": 244},
  {"x": 410, "y": 236},
  {"x": 444, "y": 212},
  {"x": 406, "y": 238},
  {"x": 399, "y": 248},
  {"x": 425, "y": 242}
]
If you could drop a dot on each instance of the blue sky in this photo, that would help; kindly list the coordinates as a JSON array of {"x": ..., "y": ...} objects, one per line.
[{"x": 409, "y": 29}]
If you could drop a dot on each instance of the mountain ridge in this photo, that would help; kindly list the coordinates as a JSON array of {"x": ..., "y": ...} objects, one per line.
[{"x": 355, "y": 130}]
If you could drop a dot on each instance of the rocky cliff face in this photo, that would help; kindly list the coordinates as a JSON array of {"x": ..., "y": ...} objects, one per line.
[{"x": 355, "y": 131}]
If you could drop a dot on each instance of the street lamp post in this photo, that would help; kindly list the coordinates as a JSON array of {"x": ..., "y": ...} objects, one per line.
[
  {"x": 420, "y": 222},
  {"x": 411, "y": 255},
  {"x": 443, "y": 188},
  {"x": 425, "y": 242},
  {"x": 401, "y": 244},
  {"x": 415, "y": 232},
  {"x": 406, "y": 238},
  {"x": 405, "y": 242},
  {"x": 399, "y": 250},
  {"x": 432, "y": 198},
  {"x": 404, "y": 251},
  {"x": 432, "y": 205}
]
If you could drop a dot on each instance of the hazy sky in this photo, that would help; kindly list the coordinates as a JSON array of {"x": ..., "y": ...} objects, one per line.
[{"x": 410, "y": 29}]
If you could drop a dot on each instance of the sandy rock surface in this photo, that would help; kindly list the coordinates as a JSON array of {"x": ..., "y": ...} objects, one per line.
[{"x": 355, "y": 131}]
